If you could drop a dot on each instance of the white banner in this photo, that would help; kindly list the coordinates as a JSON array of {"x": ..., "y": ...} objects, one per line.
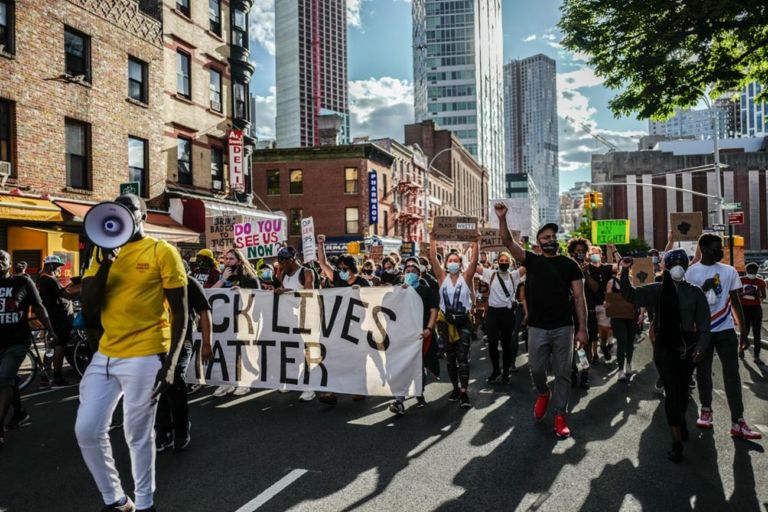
[
  {"x": 362, "y": 341},
  {"x": 518, "y": 214},
  {"x": 308, "y": 245}
]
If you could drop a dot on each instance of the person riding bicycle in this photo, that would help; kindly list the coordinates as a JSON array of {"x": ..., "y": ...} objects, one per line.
[{"x": 17, "y": 295}]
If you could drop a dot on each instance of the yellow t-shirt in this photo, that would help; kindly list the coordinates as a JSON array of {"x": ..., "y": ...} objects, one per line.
[{"x": 135, "y": 315}]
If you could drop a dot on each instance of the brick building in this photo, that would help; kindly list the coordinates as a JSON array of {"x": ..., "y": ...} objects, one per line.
[{"x": 328, "y": 183}]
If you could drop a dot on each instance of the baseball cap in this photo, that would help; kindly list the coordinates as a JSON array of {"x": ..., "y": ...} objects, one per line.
[
  {"x": 549, "y": 225},
  {"x": 52, "y": 260},
  {"x": 206, "y": 253}
]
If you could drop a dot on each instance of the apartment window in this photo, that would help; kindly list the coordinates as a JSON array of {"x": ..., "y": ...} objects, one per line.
[
  {"x": 78, "y": 150},
  {"x": 138, "y": 163},
  {"x": 215, "y": 90},
  {"x": 137, "y": 79},
  {"x": 296, "y": 182},
  {"x": 239, "y": 28},
  {"x": 77, "y": 50},
  {"x": 6, "y": 26},
  {"x": 6, "y": 132},
  {"x": 241, "y": 112},
  {"x": 350, "y": 181},
  {"x": 214, "y": 16},
  {"x": 183, "y": 7},
  {"x": 273, "y": 182},
  {"x": 184, "y": 160},
  {"x": 182, "y": 75},
  {"x": 352, "y": 223},
  {"x": 296, "y": 216},
  {"x": 217, "y": 168}
]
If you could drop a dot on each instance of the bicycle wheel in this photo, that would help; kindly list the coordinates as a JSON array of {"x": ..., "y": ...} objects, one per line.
[
  {"x": 28, "y": 370},
  {"x": 81, "y": 354}
]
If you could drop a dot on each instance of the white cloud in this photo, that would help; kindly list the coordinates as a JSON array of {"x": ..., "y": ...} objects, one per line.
[
  {"x": 265, "y": 115},
  {"x": 529, "y": 38}
]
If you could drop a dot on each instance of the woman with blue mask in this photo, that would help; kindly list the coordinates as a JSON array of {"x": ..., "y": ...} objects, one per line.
[{"x": 454, "y": 324}]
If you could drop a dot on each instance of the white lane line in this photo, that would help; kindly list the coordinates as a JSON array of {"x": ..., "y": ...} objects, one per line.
[
  {"x": 240, "y": 400},
  {"x": 272, "y": 491},
  {"x": 201, "y": 398},
  {"x": 24, "y": 397}
]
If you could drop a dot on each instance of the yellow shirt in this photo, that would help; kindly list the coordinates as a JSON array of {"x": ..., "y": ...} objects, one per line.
[{"x": 135, "y": 315}]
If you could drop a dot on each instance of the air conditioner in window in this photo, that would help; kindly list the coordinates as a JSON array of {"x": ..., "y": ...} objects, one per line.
[{"x": 5, "y": 172}]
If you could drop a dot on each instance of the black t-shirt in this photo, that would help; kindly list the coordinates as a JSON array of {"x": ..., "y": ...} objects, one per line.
[
  {"x": 602, "y": 274},
  {"x": 197, "y": 302},
  {"x": 339, "y": 283},
  {"x": 17, "y": 294},
  {"x": 52, "y": 294},
  {"x": 432, "y": 283},
  {"x": 387, "y": 278},
  {"x": 429, "y": 298},
  {"x": 244, "y": 281},
  {"x": 548, "y": 290}
]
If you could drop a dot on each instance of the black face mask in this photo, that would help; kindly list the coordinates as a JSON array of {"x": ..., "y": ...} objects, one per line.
[
  {"x": 368, "y": 271},
  {"x": 718, "y": 254},
  {"x": 550, "y": 247},
  {"x": 503, "y": 267},
  {"x": 579, "y": 257}
]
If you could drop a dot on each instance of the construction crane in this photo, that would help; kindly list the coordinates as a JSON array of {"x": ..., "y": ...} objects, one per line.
[{"x": 610, "y": 145}]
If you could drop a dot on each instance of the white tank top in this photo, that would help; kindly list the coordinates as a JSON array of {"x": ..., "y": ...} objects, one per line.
[
  {"x": 457, "y": 295},
  {"x": 293, "y": 282}
]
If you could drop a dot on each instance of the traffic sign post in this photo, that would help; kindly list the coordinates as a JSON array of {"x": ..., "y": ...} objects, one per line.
[
  {"x": 736, "y": 218},
  {"x": 131, "y": 187},
  {"x": 731, "y": 206}
]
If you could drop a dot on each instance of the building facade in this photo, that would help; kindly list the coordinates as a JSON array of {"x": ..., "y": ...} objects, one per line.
[
  {"x": 743, "y": 181},
  {"x": 457, "y": 69},
  {"x": 531, "y": 138},
  {"x": 449, "y": 157},
  {"x": 753, "y": 113},
  {"x": 689, "y": 123},
  {"x": 311, "y": 69}
]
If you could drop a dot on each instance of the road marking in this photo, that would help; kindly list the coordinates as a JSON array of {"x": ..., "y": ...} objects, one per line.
[
  {"x": 240, "y": 400},
  {"x": 200, "y": 399},
  {"x": 24, "y": 397},
  {"x": 272, "y": 491}
]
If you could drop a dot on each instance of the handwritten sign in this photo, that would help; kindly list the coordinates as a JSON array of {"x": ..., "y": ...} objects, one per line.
[
  {"x": 219, "y": 231},
  {"x": 455, "y": 229},
  {"x": 490, "y": 240},
  {"x": 687, "y": 227},
  {"x": 261, "y": 238},
  {"x": 614, "y": 231},
  {"x": 308, "y": 245},
  {"x": 643, "y": 271}
]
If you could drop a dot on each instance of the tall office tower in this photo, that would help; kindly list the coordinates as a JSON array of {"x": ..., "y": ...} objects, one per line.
[
  {"x": 457, "y": 70},
  {"x": 530, "y": 124},
  {"x": 754, "y": 114},
  {"x": 311, "y": 62},
  {"x": 690, "y": 123}
]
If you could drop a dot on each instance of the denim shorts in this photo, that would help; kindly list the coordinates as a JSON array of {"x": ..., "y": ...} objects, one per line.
[{"x": 10, "y": 361}]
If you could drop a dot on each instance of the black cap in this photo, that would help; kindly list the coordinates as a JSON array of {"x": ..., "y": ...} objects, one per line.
[{"x": 549, "y": 225}]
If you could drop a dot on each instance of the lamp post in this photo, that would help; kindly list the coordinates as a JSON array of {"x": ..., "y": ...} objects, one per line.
[
  {"x": 426, "y": 190},
  {"x": 716, "y": 154}
]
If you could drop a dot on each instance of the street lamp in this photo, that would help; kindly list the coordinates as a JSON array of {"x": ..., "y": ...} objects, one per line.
[
  {"x": 426, "y": 190},
  {"x": 716, "y": 153}
]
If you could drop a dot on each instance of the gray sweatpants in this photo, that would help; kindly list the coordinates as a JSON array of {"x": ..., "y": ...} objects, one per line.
[{"x": 557, "y": 345}]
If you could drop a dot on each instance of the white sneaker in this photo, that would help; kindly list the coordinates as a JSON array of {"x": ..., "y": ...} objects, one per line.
[
  {"x": 223, "y": 390},
  {"x": 241, "y": 390},
  {"x": 622, "y": 375},
  {"x": 628, "y": 369},
  {"x": 307, "y": 396}
]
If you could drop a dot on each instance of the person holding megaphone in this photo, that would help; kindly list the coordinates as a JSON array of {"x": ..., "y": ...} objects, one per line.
[{"x": 139, "y": 285}]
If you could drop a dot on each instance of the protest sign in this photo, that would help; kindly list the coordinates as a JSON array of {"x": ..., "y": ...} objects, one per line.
[
  {"x": 490, "y": 240},
  {"x": 260, "y": 238},
  {"x": 614, "y": 231},
  {"x": 455, "y": 229},
  {"x": 362, "y": 341},
  {"x": 643, "y": 271},
  {"x": 424, "y": 249},
  {"x": 219, "y": 231},
  {"x": 308, "y": 245},
  {"x": 686, "y": 227},
  {"x": 518, "y": 214},
  {"x": 408, "y": 249}
]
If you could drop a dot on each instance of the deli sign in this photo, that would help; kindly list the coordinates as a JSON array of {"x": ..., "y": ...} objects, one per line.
[{"x": 236, "y": 157}]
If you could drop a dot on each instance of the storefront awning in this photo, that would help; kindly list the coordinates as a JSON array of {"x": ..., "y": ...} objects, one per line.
[{"x": 29, "y": 209}]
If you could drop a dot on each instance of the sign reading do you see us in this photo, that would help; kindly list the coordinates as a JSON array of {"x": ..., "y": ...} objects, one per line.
[{"x": 362, "y": 341}]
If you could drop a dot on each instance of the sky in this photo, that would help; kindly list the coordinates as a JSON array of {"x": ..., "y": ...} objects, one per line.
[{"x": 381, "y": 75}]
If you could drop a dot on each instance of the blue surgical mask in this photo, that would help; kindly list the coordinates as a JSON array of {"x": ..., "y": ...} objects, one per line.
[
  {"x": 411, "y": 279},
  {"x": 453, "y": 267},
  {"x": 344, "y": 275},
  {"x": 595, "y": 258},
  {"x": 266, "y": 275}
]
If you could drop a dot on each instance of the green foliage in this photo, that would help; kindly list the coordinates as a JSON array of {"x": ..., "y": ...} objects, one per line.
[
  {"x": 664, "y": 54},
  {"x": 635, "y": 247}
]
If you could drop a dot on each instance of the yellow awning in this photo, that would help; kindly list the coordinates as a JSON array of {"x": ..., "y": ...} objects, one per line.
[{"x": 27, "y": 208}]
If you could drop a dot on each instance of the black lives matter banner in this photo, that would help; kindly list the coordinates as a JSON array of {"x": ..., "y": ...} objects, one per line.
[{"x": 358, "y": 341}]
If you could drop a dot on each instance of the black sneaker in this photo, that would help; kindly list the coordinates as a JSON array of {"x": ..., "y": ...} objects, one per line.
[
  {"x": 584, "y": 380},
  {"x": 126, "y": 506},
  {"x": 421, "y": 402},
  {"x": 181, "y": 439},
  {"x": 493, "y": 378},
  {"x": 163, "y": 441},
  {"x": 464, "y": 401},
  {"x": 454, "y": 396},
  {"x": 397, "y": 407},
  {"x": 606, "y": 350},
  {"x": 19, "y": 420},
  {"x": 504, "y": 379}
]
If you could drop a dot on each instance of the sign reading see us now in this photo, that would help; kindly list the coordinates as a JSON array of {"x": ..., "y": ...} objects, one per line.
[{"x": 610, "y": 231}]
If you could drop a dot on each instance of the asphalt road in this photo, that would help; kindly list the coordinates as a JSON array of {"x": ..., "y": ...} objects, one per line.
[{"x": 267, "y": 451}]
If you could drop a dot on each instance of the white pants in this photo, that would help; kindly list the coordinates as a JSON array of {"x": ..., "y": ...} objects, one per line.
[{"x": 104, "y": 382}]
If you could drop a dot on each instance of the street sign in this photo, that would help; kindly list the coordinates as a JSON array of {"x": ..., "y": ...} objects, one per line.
[
  {"x": 615, "y": 231},
  {"x": 736, "y": 218},
  {"x": 131, "y": 187},
  {"x": 236, "y": 161},
  {"x": 731, "y": 206},
  {"x": 718, "y": 227},
  {"x": 373, "y": 197}
]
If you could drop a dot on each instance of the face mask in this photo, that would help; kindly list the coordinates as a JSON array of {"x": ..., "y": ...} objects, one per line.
[
  {"x": 344, "y": 275},
  {"x": 221, "y": 267},
  {"x": 503, "y": 267},
  {"x": 655, "y": 260},
  {"x": 391, "y": 271},
  {"x": 677, "y": 273},
  {"x": 266, "y": 275},
  {"x": 550, "y": 247},
  {"x": 411, "y": 279},
  {"x": 453, "y": 267},
  {"x": 580, "y": 257},
  {"x": 752, "y": 276},
  {"x": 595, "y": 258},
  {"x": 368, "y": 271},
  {"x": 422, "y": 268}
]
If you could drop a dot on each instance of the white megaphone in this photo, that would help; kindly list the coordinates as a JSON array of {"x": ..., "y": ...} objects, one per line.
[{"x": 109, "y": 225}]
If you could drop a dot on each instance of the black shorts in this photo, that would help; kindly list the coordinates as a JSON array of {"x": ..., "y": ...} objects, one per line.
[{"x": 63, "y": 329}]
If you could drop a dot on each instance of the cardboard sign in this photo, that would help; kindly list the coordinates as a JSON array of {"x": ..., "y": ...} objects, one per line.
[
  {"x": 643, "y": 271},
  {"x": 518, "y": 214},
  {"x": 377, "y": 253},
  {"x": 308, "y": 245},
  {"x": 408, "y": 249},
  {"x": 219, "y": 232},
  {"x": 687, "y": 227},
  {"x": 490, "y": 240},
  {"x": 424, "y": 249},
  {"x": 455, "y": 229},
  {"x": 261, "y": 238},
  {"x": 614, "y": 231}
]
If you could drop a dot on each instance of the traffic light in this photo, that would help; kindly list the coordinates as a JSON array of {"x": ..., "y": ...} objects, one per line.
[
  {"x": 588, "y": 202},
  {"x": 598, "y": 199}
]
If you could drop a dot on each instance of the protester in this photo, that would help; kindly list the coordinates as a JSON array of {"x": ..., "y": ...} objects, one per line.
[
  {"x": 369, "y": 273},
  {"x": 56, "y": 299},
  {"x": 391, "y": 274},
  {"x": 721, "y": 285},
  {"x": 752, "y": 295},
  {"x": 500, "y": 322},
  {"x": 172, "y": 425},
  {"x": 20, "y": 268},
  {"x": 238, "y": 272},
  {"x": 134, "y": 287},
  {"x": 427, "y": 275},
  {"x": 554, "y": 293},
  {"x": 18, "y": 294},
  {"x": 205, "y": 270},
  {"x": 455, "y": 324},
  {"x": 682, "y": 335},
  {"x": 430, "y": 302},
  {"x": 623, "y": 318}
]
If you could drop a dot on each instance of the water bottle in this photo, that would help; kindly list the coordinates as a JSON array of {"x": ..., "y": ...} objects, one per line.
[
  {"x": 583, "y": 363},
  {"x": 49, "y": 347}
]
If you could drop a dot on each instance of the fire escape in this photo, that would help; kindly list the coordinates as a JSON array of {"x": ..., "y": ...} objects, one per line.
[{"x": 409, "y": 216}]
